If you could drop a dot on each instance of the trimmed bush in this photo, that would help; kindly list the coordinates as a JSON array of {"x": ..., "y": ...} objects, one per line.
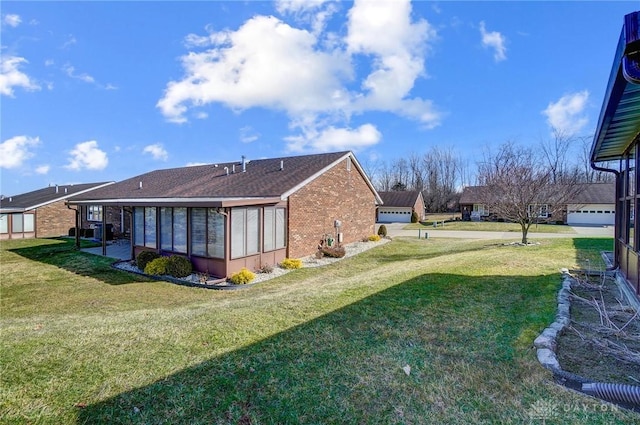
[
  {"x": 242, "y": 277},
  {"x": 334, "y": 251},
  {"x": 179, "y": 266},
  {"x": 374, "y": 238},
  {"x": 291, "y": 263},
  {"x": 266, "y": 268},
  {"x": 382, "y": 231},
  {"x": 414, "y": 217},
  {"x": 145, "y": 257},
  {"x": 157, "y": 266}
]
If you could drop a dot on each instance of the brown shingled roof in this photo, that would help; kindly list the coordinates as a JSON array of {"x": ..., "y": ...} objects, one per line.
[
  {"x": 263, "y": 178},
  {"x": 30, "y": 200},
  {"x": 591, "y": 193},
  {"x": 405, "y": 198}
]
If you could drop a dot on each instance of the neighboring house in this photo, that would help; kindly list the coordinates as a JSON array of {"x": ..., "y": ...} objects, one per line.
[
  {"x": 245, "y": 214},
  {"x": 397, "y": 206},
  {"x": 617, "y": 138},
  {"x": 41, "y": 213},
  {"x": 593, "y": 205}
]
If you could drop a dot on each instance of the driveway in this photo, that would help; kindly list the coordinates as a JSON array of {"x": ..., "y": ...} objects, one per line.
[{"x": 397, "y": 229}]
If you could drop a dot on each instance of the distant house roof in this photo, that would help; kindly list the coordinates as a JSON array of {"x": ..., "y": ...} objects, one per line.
[
  {"x": 405, "y": 198},
  {"x": 223, "y": 184},
  {"x": 590, "y": 193},
  {"x": 38, "y": 198},
  {"x": 619, "y": 122}
]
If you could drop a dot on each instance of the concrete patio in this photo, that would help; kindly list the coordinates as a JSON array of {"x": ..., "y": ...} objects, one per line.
[{"x": 119, "y": 249}]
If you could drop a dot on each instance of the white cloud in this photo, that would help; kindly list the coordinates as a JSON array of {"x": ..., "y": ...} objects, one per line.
[
  {"x": 309, "y": 74},
  {"x": 87, "y": 155},
  {"x": 11, "y": 76},
  {"x": 494, "y": 40},
  {"x": 16, "y": 150},
  {"x": 43, "y": 169},
  {"x": 266, "y": 63},
  {"x": 71, "y": 72},
  {"x": 567, "y": 114},
  {"x": 71, "y": 40},
  {"x": 296, "y": 6},
  {"x": 398, "y": 57},
  {"x": 248, "y": 135},
  {"x": 12, "y": 20},
  {"x": 157, "y": 151},
  {"x": 331, "y": 139}
]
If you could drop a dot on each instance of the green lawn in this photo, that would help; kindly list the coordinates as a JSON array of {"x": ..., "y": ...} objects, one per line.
[
  {"x": 490, "y": 226},
  {"x": 324, "y": 345}
]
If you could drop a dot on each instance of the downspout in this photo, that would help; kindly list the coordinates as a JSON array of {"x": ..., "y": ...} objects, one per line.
[
  {"x": 618, "y": 212},
  {"x": 104, "y": 231},
  {"x": 77, "y": 232}
]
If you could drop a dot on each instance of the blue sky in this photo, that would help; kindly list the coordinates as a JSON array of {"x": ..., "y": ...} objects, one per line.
[{"x": 100, "y": 91}]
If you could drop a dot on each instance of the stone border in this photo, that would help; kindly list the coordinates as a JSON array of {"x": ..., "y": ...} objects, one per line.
[{"x": 546, "y": 345}]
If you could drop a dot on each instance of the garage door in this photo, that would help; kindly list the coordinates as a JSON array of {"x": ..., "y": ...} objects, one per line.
[
  {"x": 603, "y": 215},
  {"x": 394, "y": 216}
]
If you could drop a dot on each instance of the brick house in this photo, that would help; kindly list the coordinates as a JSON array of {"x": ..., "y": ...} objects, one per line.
[
  {"x": 41, "y": 213},
  {"x": 616, "y": 149},
  {"x": 398, "y": 206},
  {"x": 245, "y": 214},
  {"x": 592, "y": 204}
]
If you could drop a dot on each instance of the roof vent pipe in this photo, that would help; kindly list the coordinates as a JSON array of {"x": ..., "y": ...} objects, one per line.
[
  {"x": 140, "y": 186},
  {"x": 244, "y": 164},
  {"x": 10, "y": 199},
  {"x": 281, "y": 165},
  {"x": 233, "y": 168},
  {"x": 65, "y": 190},
  {"x": 226, "y": 170},
  {"x": 56, "y": 188}
]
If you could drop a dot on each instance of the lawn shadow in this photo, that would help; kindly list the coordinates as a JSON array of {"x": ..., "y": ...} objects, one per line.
[
  {"x": 62, "y": 253},
  {"x": 459, "y": 335}
]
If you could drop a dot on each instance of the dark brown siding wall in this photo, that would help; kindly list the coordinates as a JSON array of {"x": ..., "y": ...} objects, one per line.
[
  {"x": 54, "y": 219},
  {"x": 338, "y": 194}
]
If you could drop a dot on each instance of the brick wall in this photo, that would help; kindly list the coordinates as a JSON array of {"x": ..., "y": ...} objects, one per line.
[
  {"x": 54, "y": 219},
  {"x": 339, "y": 194}
]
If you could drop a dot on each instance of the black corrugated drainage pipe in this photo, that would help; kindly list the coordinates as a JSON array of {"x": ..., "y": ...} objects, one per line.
[{"x": 628, "y": 395}]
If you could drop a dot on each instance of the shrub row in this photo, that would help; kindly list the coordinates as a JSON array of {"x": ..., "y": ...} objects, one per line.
[{"x": 152, "y": 263}]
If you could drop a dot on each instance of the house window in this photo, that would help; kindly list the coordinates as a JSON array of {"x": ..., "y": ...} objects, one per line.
[
  {"x": 215, "y": 234},
  {"x": 173, "y": 229},
  {"x": 480, "y": 209},
  {"x": 94, "y": 212},
  {"x": 4, "y": 226},
  {"x": 274, "y": 229},
  {"x": 29, "y": 225},
  {"x": 631, "y": 225},
  {"x": 144, "y": 226},
  {"x": 138, "y": 226},
  {"x": 16, "y": 223},
  {"x": 244, "y": 232},
  {"x": 207, "y": 232},
  {"x": 539, "y": 211}
]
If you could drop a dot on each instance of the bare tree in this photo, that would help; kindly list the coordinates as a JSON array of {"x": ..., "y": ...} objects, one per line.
[
  {"x": 517, "y": 186},
  {"x": 399, "y": 174},
  {"x": 589, "y": 175},
  {"x": 442, "y": 169},
  {"x": 555, "y": 152}
]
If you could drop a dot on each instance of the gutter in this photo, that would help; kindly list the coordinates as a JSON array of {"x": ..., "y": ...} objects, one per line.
[{"x": 618, "y": 212}]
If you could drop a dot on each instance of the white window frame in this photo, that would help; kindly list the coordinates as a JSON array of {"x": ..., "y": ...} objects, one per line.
[
  {"x": 94, "y": 212},
  {"x": 541, "y": 212},
  {"x": 244, "y": 240}
]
